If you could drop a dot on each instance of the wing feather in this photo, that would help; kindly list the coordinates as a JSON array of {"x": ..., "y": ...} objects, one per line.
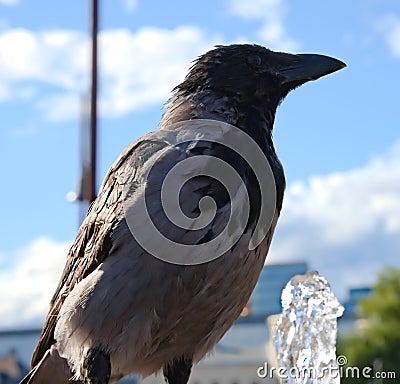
[{"x": 92, "y": 243}]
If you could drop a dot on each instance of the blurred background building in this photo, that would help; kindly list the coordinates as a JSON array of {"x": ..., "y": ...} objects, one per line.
[{"x": 266, "y": 298}]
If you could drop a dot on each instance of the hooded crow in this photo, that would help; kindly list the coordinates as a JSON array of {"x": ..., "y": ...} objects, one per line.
[{"x": 137, "y": 298}]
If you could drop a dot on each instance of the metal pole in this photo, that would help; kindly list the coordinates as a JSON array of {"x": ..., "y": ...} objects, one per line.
[{"x": 93, "y": 104}]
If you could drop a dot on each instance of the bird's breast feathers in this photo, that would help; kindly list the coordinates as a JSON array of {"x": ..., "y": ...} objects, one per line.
[{"x": 155, "y": 301}]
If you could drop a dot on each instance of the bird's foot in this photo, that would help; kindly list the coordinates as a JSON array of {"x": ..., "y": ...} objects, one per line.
[
  {"x": 97, "y": 367},
  {"x": 178, "y": 371}
]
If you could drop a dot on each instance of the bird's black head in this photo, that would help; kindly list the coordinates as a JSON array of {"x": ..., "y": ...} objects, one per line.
[{"x": 254, "y": 73}]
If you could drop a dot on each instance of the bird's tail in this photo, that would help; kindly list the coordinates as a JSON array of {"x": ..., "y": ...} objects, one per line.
[{"x": 52, "y": 369}]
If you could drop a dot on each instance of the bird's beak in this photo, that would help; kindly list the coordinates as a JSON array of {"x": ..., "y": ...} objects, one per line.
[{"x": 304, "y": 67}]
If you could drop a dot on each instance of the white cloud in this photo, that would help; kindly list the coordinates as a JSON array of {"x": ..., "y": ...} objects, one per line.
[
  {"x": 142, "y": 68},
  {"x": 346, "y": 225},
  {"x": 137, "y": 68},
  {"x": 130, "y": 5},
  {"x": 8, "y": 2},
  {"x": 57, "y": 57},
  {"x": 60, "y": 106},
  {"x": 390, "y": 28},
  {"x": 28, "y": 285},
  {"x": 4, "y": 93},
  {"x": 271, "y": 14}
]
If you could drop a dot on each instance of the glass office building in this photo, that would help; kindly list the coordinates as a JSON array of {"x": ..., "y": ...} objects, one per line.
[
  {"x": 355, "y": 295},
  {"x": 266, "y": 298}
]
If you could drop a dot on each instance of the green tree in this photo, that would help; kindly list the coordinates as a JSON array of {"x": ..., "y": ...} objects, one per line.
[{"x": 376, "y": 340}]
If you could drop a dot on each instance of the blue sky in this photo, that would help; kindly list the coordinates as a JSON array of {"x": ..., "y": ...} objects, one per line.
[{"x": 338, "y": 138}]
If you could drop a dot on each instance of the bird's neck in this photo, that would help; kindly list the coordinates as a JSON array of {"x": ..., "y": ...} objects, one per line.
[{"x": 255, "y": 118}]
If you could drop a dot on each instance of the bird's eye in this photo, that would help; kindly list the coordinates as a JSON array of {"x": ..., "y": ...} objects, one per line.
[{"x": 254, "y": 60}]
